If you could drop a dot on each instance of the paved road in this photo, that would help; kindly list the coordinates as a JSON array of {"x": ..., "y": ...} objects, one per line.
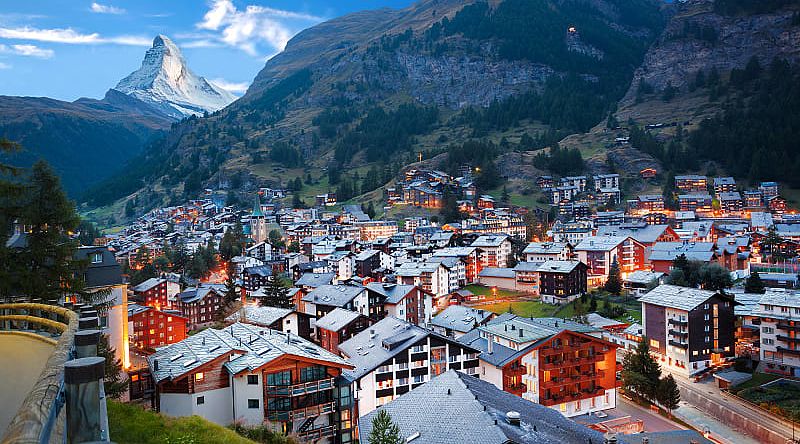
[{"x": 712, "y": 401}]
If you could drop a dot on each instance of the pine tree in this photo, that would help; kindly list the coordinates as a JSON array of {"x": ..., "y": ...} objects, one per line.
[
  {"x": 277, "y": 295},
  {"x": 668, "y": 395},
  {"x": 384, "y": 431},
  {"x": 641, "y": 372},
  {"x": 114, "y": 383},
  {"x": 613, "y": 284},
  {"x": 754, "y": 284}
]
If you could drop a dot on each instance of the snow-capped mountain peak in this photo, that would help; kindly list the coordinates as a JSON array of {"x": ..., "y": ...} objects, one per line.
[{"x": 166, "y": 83}]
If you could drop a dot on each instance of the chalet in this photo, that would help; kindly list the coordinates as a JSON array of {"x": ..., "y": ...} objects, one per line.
[
  {"x": 664, "y": 253},
  {"x": 323, "y": 299},
  {"x": 730, "y": 202},
  {"x": 695, "y": 202},
  {"x": 691, "y": 183},
  {"x": 338, "y": 326},
  {"x": 600, "y": 252},
  {"x": 254, "y": 278},
  {"x": 467, "y": 255},
  {"x": 724, "y": 185},
  {"x": 753, "y": 200},
  {"x": 286, "y": 320},
  {"x": 545, "y": 251},
  {"x": 640, "y": 282},
  {"x": 561, "y": 282},
  {"x": 151, "y": 328},
  {"x": 691, "y": 330},
  {"x": 559, "y": 364},
  {"x": 768, "y": 189},
  {"x": 251, "y": 375},
  {"x": 200, "y": 304},
  {"x": 152, "y": 293},
  {"x": 408, "y": 302},
  {"x": 650, "y": 202},
  {"x": 609, "y": 218}
]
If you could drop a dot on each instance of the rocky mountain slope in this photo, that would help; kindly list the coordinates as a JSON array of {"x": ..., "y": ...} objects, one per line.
[
  {"x": 370, "y": 90},
  {"x": 166, "y": 83}
]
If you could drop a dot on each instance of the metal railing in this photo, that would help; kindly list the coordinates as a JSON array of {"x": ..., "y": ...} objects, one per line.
[{"x": 40, "y": 418}]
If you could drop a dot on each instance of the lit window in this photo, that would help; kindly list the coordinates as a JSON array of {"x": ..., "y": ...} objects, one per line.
[{"x": 199, "y": 376}]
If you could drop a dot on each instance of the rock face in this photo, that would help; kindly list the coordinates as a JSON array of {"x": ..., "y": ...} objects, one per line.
[
  {"x": 167, "y": 84},
  {"x": 698, "y": 39}
]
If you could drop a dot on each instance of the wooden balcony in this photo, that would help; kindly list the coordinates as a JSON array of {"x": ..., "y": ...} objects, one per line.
[
  {"x": 571, "y": 396},
  {"x": 300, "y": 389},
  {"x": 302, "y": 413},
  {"x": 315, "y": 434}
]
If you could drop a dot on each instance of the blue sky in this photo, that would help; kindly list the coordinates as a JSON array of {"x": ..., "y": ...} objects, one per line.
[{"x": 68, "y": 49}]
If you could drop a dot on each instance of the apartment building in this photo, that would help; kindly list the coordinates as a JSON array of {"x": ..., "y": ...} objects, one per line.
[
  {"x": 493, "y": 250},
  {"x": 691, "y": 183},
  {"x": 600, "y": 252},
  {"x": 691, "y": 330},
  {"x": 547, "y": 251},
  {"x": 152, "y": 293},
  {"x": 151, "y": 328},
  {"x": 779, "y": 313}
]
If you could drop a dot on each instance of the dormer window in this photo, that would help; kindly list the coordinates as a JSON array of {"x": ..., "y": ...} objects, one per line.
[{"x": 97, "y": 258}]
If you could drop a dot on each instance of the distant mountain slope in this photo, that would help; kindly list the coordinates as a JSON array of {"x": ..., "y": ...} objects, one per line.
[
  {"x": 166, "y": 83},
  {"x": 371, "y": 89},
  {"x": 85, "y": 140}
]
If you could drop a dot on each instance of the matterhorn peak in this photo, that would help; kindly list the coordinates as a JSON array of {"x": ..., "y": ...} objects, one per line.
[{"x": 166, "y": 83}]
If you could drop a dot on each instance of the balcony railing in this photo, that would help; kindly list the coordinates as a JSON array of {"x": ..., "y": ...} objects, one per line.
[
  {"x": 300, "y": 414},
  {"x": 572, "y": 396},
  {"x": 784, "y": 326},
  {"x": 300, "y": 389},
  {"x": 678, "y": 344},
  {"x": 314, "y": 434},
  {"x": 790, "y": 351},
  {"x": 683, "y": 334},
  {"x": 785, "y": 338},
  {"x": 678, "y": 322}
]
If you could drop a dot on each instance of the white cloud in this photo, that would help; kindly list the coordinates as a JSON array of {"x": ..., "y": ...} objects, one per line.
[
  {"x": 33, "y": 51},
  {"x": 256, "y": 24},
  {"x": 106, "y": 9},
  {"x": 234, "y": 87},
  {"x": 70, "y": 36},
  {"x": 4, "y": 65},
  {"x": 27, "y": 50},
  {"x": 202, "y": 43}
]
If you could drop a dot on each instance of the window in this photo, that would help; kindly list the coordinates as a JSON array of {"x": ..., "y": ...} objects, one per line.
[
  {"x": 253, "y": 403},
  {"x": 707, "y": 328},
  {"x": 654, "y": 343},
  {"x": 706, "y": 317},
  {"x": 418, "y": 349},
  {"x": 708, "y": 339},
  {"x": 767, "y": 329},
  {"x": 705, "y": 306},
  {"x": 767, "y": 341},
  {"x": 201, "y": 400},
  {"x": 252, "y": 379},
  {"x": 97, "y": 258},
  {"x": 419, "y": 379}
]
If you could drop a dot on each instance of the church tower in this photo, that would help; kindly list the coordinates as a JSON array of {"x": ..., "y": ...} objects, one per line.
[{"x": 258, "y": 222}]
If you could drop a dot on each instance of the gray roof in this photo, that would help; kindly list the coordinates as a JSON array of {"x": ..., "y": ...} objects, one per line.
[
  {"x": 598, "y": 321},
  {"x": 545, "y": 247},
  {"x": 315, "y": 280},
  {"x": 643, "y": 277},
  {"x": 333, "y": 295},
  {"x": 780, "y": 299},
  {"x": 195, "y": 294},
  {"x": 600, "y": 243},
  {"x": 475, "y": 412},
  {"x": 460, "y": 318},
  {"x": 255, "y": 314},
  {"x": 558, "y": 266},
  {"x": 489, "y": 240},
  {"x": 528, "y": 266},
  {"x": 641, "y": 232},
  {"x": 667, "y": 251},
  {"x": 148, "y": 284},
  {"x": 673, "y": 296},
  {"x": 497, "y": 272},
  {"x": 255, "y": 345},
  {"x": 337, "y": 319},
  {"x": 394, "y": 293},
  {"x": 102, "y": 274}
]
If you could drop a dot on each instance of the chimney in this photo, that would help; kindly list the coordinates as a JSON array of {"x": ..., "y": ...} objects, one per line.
[
  {"x": 520, "y": 333},
  {"x": 610, "y": 438},
  {"x": 645, "y": 440},
  {"x": 489, "y": 343},
  {"x": 513, "y": 418},
  {"x": 155, "y": 365}
]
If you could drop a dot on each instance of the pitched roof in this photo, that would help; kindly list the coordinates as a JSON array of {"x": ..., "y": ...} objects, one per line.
[
  {"x": 641, "y": 232},
  {"x": 497, "y": 272},
  {"x": 476, "y": 413},
  {"x": 148, "y": 284},
  {"x": 545, "y": 247},
  {"x": 315, "y": 280},
  {"x": 643, "y": 277},
  {"x": 255, "y": 314},
  {"x": 194, "y": 294},
  {"x": 257, "y": 345},
  {"x": 600, "y": 243},
  {"x": 337, "y": 319},
  {"x": 489, "y": 240},
  {"x": 333, "y": 295},
  {"x": 558, "y": 266},
  {"x": 673, "y": 296},
  {"x": 394, "y": 293},
  {"x": 460, "y": 318}
]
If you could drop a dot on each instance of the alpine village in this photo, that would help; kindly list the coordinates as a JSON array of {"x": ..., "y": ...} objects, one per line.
[{"x": 447, "y": 221}]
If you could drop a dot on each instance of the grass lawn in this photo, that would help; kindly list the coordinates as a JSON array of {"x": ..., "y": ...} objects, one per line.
[
  {"x": 523, "y": 308},
  {"x": 782, "y": 398},
  {"x": 568, "y": 311},
  {"x": 130, "y": 424},
  {"x": 487, "y": 291},
  {"x": 757, "y": 380}
]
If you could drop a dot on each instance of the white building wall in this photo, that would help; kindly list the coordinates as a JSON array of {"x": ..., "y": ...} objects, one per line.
[
  {"x": 176, "y": 404},
  {"x": 242, "y": 392},
  {"x": 217, "y": 405}
]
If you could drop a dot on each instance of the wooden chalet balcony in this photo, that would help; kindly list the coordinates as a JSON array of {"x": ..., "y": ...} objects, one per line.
[
  {"x": 576, "y": 378},
  {"x": 571, "y": 361},
  {"x": 301, "y": 414},
  {"x": 795, "y": 340},
  {"x": 785, "y": 326},
  {"x": 571, "y": 396},
  {"x": 300, "y": 389},
  {"x": 322, "y": 432}
]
